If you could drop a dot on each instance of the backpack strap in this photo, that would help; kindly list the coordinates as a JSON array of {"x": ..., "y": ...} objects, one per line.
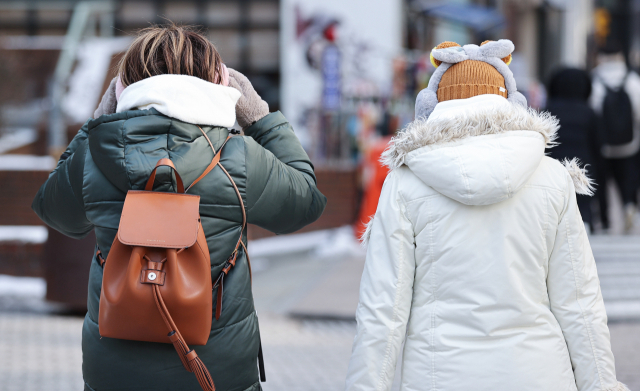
[
  {"x": 214, "y": 161},
  {"x": 623, "y": 85},
  {"x": 152, "y": 177},
  {"x": 608, "y": 88},
  {"x": 231, "y": 261}
]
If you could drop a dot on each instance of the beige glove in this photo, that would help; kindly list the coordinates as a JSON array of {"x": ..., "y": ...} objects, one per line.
[
  {"x": 250, "y": 107},
  {"x": 109, "y": 102}
]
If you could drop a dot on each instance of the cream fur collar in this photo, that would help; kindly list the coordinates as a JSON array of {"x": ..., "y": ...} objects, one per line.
[
  {"x": 461, "y": 118},
  {"x": 186, "y": 98},
  {"x": 481, "y": 115}
]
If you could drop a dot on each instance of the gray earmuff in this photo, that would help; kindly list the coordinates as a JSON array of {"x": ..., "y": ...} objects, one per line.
[{"x": 491, "y": 53}]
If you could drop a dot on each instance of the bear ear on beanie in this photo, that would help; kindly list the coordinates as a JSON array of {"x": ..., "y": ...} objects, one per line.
[
  {"x": 501, "y": 49},
  {"x": 449, "y": 52}
]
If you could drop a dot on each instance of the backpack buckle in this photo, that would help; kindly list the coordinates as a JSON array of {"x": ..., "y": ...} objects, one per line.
[
  {"x": 100, "y": 259},
  {"x": 226, "y": 268},
  {"x": 151, "y": 276}
]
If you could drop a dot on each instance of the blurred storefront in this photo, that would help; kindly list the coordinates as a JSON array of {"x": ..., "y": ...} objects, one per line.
[
  {"x": 76, "y": 44},
  {"x": 345, "y": 73},
  {"x": 56, "y": 60},
  {"x": 619, "y": 21},
  {"x": 337, "y": 73},
  {"x": 546, "y": 34}
]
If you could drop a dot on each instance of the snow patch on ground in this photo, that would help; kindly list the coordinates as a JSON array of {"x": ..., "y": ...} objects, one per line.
[
  {"x": 23, "y": 286},
  {"x": 35, "y": 234},
  {"x": 26, "y": 163},
  {"x": 17, "y": 138}
]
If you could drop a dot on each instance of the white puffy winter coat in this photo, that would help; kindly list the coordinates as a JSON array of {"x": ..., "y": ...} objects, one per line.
[{"x": 479, "y": 262}]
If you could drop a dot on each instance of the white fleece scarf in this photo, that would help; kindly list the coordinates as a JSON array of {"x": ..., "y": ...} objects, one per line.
[{"x": 183, "y": 97}]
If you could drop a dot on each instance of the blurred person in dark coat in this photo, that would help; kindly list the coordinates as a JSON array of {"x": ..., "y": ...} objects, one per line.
[{"x": 569, "y": 90}]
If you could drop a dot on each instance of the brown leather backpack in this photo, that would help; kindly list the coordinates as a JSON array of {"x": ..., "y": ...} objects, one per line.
[{"x": 156, "y": 284}]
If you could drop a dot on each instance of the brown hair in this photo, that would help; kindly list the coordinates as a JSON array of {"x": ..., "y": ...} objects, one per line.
[{"x": 171, "y": 49}]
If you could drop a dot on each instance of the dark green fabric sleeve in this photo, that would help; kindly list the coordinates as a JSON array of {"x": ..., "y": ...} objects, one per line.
[
  {"x": 281, "y": 187},
  {"x": 59, "y": 201}
]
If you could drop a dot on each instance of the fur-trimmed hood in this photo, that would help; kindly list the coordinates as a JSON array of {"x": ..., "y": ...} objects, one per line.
[
  {"x": 477, "y": 151},
  {"x": 462, "y": 118}
]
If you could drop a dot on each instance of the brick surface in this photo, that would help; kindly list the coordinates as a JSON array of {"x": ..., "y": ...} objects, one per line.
[
  {"x": 21, "y": 259},
  {"x": 18, "y": 190}
]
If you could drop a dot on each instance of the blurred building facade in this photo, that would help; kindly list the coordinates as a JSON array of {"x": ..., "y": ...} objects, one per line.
[
  {"x": 33, "y": 34},
  {"x": 253, "y": 36}
]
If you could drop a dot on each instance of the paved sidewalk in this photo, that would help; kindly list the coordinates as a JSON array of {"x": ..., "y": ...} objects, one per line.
[
  {"x": 305, "y": 355},
  {"x": 41, "y": 351}
]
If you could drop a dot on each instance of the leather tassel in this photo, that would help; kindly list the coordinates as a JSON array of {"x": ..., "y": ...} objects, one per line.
[
  {"x": 201, "y": 371},
  {"x": 181, "y": 349},
  {"x": 189, "y": 358}
]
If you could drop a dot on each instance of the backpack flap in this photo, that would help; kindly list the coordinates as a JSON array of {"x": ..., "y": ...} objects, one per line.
[{"x": 155, "y": 219}]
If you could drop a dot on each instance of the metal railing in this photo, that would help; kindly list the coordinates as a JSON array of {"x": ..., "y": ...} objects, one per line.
[{"x": 87, "y": 15}]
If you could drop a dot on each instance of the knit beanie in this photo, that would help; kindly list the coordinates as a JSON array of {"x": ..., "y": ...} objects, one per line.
[
  {"x": 466, "y": 71},
  {"x": 469, "y": 78}
]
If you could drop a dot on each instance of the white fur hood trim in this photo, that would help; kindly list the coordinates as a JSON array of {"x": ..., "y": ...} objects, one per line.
[
  {"x": 364, "y": 239},
  {"x": 461, "y": 118},
  {"x": 183, "y": 97},
  {"x": 582, "y": 183},
  {"x": 477, "y": 151}
]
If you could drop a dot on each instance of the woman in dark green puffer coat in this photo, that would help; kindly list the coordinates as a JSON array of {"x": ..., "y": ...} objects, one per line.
[{"x": 174, "y": 82}]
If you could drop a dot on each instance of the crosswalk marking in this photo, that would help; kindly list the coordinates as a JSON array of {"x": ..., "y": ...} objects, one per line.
[{"x": 618, "y": 262}]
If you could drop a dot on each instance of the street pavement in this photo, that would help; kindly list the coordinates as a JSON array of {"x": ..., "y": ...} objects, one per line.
[
  {"x": 618, "y": 263},
  {"x": 305, "y": 300}
]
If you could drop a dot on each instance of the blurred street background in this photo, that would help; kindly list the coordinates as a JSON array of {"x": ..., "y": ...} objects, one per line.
[{"x": 345, "y": 74}]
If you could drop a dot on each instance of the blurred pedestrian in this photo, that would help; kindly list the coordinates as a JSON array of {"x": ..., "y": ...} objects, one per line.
[
  {"x": 477, "y": 259},
  {"x": 174, "y": 98},
  {"x": 373, "y": 175},
  {"x": 568, "y": 100},
  {"x": 616, "y": 98}
]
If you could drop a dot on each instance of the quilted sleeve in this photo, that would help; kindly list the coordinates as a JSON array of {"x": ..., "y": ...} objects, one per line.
[
  {"x": 282, "y": 195},
  {"x": 576, "y": 301},
  {"x": 386, "y": 292},
  {"x": 59, "y": 201}
]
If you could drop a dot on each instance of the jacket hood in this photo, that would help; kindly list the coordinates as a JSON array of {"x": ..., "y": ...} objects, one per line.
[
  {"x": 183, "y": 97},
  {"x": 126, "y": 146},
  {"x": 477, "y": 151}
]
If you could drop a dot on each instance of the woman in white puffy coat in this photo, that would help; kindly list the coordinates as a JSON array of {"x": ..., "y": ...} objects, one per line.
[{"x": 478, "y": 260}]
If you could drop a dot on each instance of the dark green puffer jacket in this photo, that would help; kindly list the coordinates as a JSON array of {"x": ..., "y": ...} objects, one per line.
[{"x": 116, "y": 153}]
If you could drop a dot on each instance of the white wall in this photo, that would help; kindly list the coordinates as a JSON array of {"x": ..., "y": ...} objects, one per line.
[
  {"x": 369, "y": 37},
  {"x": 578, "y": 24}
]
